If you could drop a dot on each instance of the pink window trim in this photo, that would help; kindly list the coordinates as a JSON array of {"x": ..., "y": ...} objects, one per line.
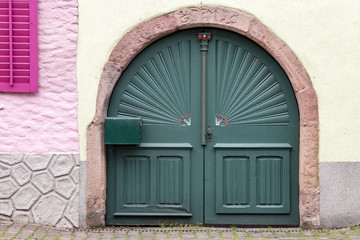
[
  {"x": 33, "y": 46},
  {"x": 32, "y": 85}
]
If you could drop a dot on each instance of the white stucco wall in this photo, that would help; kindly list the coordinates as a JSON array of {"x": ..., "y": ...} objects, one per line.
[{"x": 324, "y": 34}]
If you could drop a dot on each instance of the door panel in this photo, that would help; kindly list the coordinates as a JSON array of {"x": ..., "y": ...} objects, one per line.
[
  {"x": 151, "y": 180},
  {"x": 253, "y": 116},
  {"x": 233, "y": 182},
  {"x": 159, "y": 86},
  {"x": 252, "y": 178},
  {"x": 136, "y": 172},
  {"x": 246, "y": 172}
]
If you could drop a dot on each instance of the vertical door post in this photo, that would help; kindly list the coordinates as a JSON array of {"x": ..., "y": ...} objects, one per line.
[{"x": 204, "y": 46}]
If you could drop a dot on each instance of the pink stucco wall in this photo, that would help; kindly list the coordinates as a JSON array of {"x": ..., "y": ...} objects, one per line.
[{"x": 46, "y": 121}]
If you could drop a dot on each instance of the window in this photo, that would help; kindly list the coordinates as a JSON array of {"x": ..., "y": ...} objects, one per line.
[{"x": 18, "y": 46}]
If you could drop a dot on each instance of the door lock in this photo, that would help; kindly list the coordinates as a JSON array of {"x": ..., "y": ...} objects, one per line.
[{"x": 209, "y": 133}]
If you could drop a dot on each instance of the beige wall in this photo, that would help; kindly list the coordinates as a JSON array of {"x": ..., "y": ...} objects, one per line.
[{"x": 324, "y": 34}]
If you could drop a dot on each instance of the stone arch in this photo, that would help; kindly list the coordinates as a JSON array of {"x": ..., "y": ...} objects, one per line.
[{"x": 218, "y": 17}]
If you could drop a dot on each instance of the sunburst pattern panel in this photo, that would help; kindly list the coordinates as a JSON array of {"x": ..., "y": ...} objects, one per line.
[
  {"x": 247, "y": 92},
  {"x": 159, "y": 92}
]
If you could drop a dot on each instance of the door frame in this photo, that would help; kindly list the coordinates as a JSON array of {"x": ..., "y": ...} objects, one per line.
[{"x": 241, "y": 23}]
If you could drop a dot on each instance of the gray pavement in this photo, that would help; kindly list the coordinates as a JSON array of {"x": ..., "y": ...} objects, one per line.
[{"x": 11, "y": 230}]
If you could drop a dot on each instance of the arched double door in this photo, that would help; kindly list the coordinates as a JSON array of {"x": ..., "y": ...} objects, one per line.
[{"x": 220, "y": 135}]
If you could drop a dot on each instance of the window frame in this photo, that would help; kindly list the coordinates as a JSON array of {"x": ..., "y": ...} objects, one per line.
[{"x": 32, "y": 85}]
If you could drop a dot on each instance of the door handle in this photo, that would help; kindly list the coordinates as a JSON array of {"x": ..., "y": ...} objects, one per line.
[{"x": 209, "y": 133}]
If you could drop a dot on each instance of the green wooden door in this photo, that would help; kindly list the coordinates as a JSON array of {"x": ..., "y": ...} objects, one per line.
[{"x": 220, "y": 130}]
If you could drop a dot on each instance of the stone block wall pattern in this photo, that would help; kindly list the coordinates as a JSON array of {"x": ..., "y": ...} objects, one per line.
[
  {"x": 46, "y": 122},
  {"x": 41, "y": 188}
]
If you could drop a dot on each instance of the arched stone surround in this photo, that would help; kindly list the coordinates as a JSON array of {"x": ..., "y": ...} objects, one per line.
[{"x": 218, "y": 17}]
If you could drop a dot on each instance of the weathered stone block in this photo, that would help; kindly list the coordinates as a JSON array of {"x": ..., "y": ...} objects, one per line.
[
  {"x": 135, "y": 40},
  {"x": 77, "y": 159},
  {"x": 26, "y": 197},
  {"x": 309, "y": 166},
  {"x": 75, "y": 174},
  {"x": 6, "y": 207},
  {"x": 3, "y": 217},
  {"x": 7, "y": 188},
  {"x": 43, "y": 181},
  {"x": 4, "y": 170},
  {"x": 309, "y": 210},
  {"x": 22, "y": 216},
  {"x": 38, "y": 162},
  {"x": 11, "y": 159},
  {"x": 62, "y": 165},
  {"x": 64, "y": 224},
  {"x": 308, "y": 103},
  {"x": 21, "y": 174},
  {"x": 65, "y": 187},
  {"x": 72, "y": 211},
  {"x": 49, "y": 209}
]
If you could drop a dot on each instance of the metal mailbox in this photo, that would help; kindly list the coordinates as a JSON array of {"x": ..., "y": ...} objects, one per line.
[{"x": 123, "y": 130}]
